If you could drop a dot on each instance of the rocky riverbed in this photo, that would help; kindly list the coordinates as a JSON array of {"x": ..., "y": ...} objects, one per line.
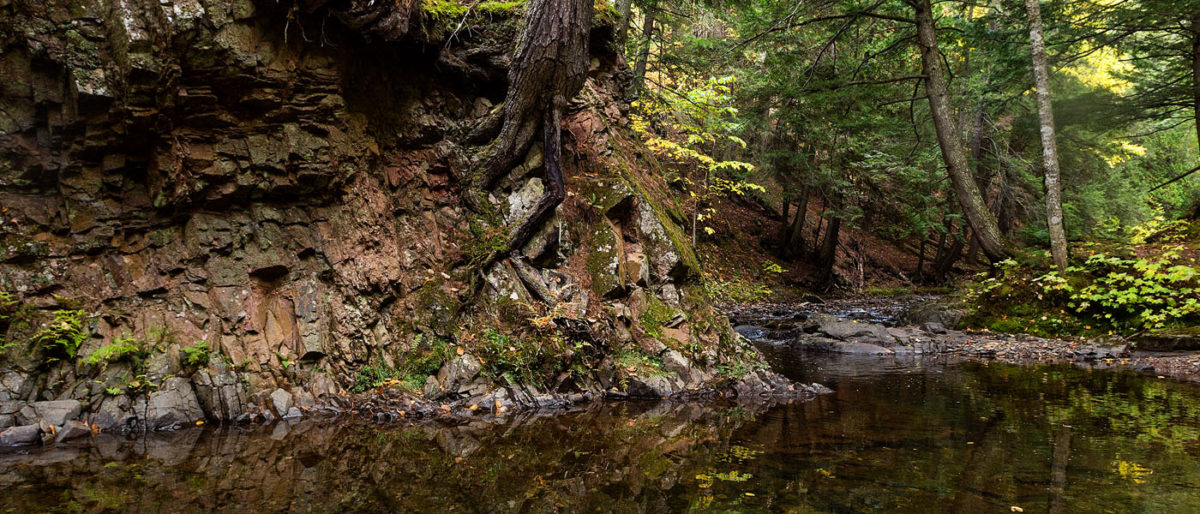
[
  {"x": 924, "y": 326},
  {"x": 460, "y": 393}
]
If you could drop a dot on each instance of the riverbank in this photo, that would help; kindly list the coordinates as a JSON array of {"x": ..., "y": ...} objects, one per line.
[
  {"x": 917, "y": 326},
  {"x": 459, "y": 393}
]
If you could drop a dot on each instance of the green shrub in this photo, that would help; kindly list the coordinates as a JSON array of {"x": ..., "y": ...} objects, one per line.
[
  {"x": 8, "y": 307},
  {"x": 1119, "y": 293},
  {"x": 123, "y": 349},
  {"x": 197, "y": 356},
  {"x": 633, "y": 360},
  {"x": 60, "y": 340},
  {"x": 426, "y": 358},
  {"x": 519, "y": 360},
  {"x": 372, "y": 376}
]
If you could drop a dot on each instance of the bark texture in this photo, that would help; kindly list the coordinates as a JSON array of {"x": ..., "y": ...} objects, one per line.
[
  {"x": 1041, "y": 77},
  {"x": 795, "y": 239},
  {"x": 625, "y": 7},
  {"x": 551, "y": 61},
  {"x": 827, "y": 254},
  {"x": 949, "y": 138}
]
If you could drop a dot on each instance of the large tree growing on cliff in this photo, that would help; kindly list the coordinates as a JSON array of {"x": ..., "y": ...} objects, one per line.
[{"x": 548, "y": 69}]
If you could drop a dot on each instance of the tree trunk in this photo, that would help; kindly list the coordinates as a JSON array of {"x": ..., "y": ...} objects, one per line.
[
  {"x": 639, "y": 66},
  {"x": 549, "y": 67},
  {"x": 941, "y": 245},
  {"x": 795, "y": 243},
  {"x": 820, "y": 221},
  {"x": 1196, "y": 73},
  {"x": 949, "y": 138},
  {"x": 625, "y": 7},
  {"x": 943, "y": 266},
  {"x": 1041, "y": 75},
  {"x": 977, "y": 141},
  {"x": 827, "y": 256},
  {"x": 787, "y": 209},
  {"x": 551, "y": 61},
  {"x": 919, "y": 275}
]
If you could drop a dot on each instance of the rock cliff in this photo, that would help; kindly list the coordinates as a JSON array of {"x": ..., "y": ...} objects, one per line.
[{"x": 209, "y": 201}]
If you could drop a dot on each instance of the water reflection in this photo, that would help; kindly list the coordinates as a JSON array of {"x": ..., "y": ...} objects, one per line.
[{"x": 915, "y": 436}]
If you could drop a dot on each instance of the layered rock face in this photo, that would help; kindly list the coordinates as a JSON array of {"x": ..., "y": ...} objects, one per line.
[{"x": 263, "y": 195}]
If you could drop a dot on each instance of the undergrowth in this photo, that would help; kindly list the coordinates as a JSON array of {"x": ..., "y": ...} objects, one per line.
[
  {"x": 426, "y": 358},
  {"x": 1106, "y": 289},
  {"x": 61, "y": 338}
]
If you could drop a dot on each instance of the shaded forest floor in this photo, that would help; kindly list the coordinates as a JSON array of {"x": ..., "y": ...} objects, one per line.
[{"x": 751, "y": 234}]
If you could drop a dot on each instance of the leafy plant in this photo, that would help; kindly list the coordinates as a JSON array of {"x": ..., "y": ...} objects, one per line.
[
  {"x": 125, "y": 348},
  {"x": 1124, "y": 293},
  {"x": 687, "y": 129},
  {"x": 283, "y": 361},
  {"x": 60, "y": 340},
  {"x": 635, "y": 361},
  {"x": 372, "y": 376},
  {"x": 8, "y": 306},
  {"x": 197, "y": 355},
  {"x": 523, "y": 361},
  {"x": 140, "y": 385}
]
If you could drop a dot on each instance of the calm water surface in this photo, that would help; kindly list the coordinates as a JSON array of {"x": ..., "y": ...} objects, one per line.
[{"x": 917, "y": 436}]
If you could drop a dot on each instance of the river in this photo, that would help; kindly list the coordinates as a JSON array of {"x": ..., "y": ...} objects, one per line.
[{"x": 914, "y": 435}]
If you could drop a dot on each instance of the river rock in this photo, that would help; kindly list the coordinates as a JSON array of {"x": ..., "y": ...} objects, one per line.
[
  {"x": 53, "y": 412},
  {"x": 1094, "y": 352},
  {"x": 432, "y": 388},
  {"x": 458, "y": 373},
  {"x": 937, "y": 311},
  {"x": 676, "y": 363},
  {"x": 8, "y": 413},
  {"x": 934, "y": 327},
  {"x": 11, "y": 384},
  {"x": 750, "y": 332},
  {"x": 856, "y": 348},
  {"x": 174, "y": 404},
  {"x": 220, "y": 393},
  {"x": 73, "y": 429},
  {"x": 114, "y": 413},
  {"x": 25, "y": 434},
  {"x": 851, "y": 331},
  {"x": 650, "y": 387},
  {"x": 282, "y": 401}
]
